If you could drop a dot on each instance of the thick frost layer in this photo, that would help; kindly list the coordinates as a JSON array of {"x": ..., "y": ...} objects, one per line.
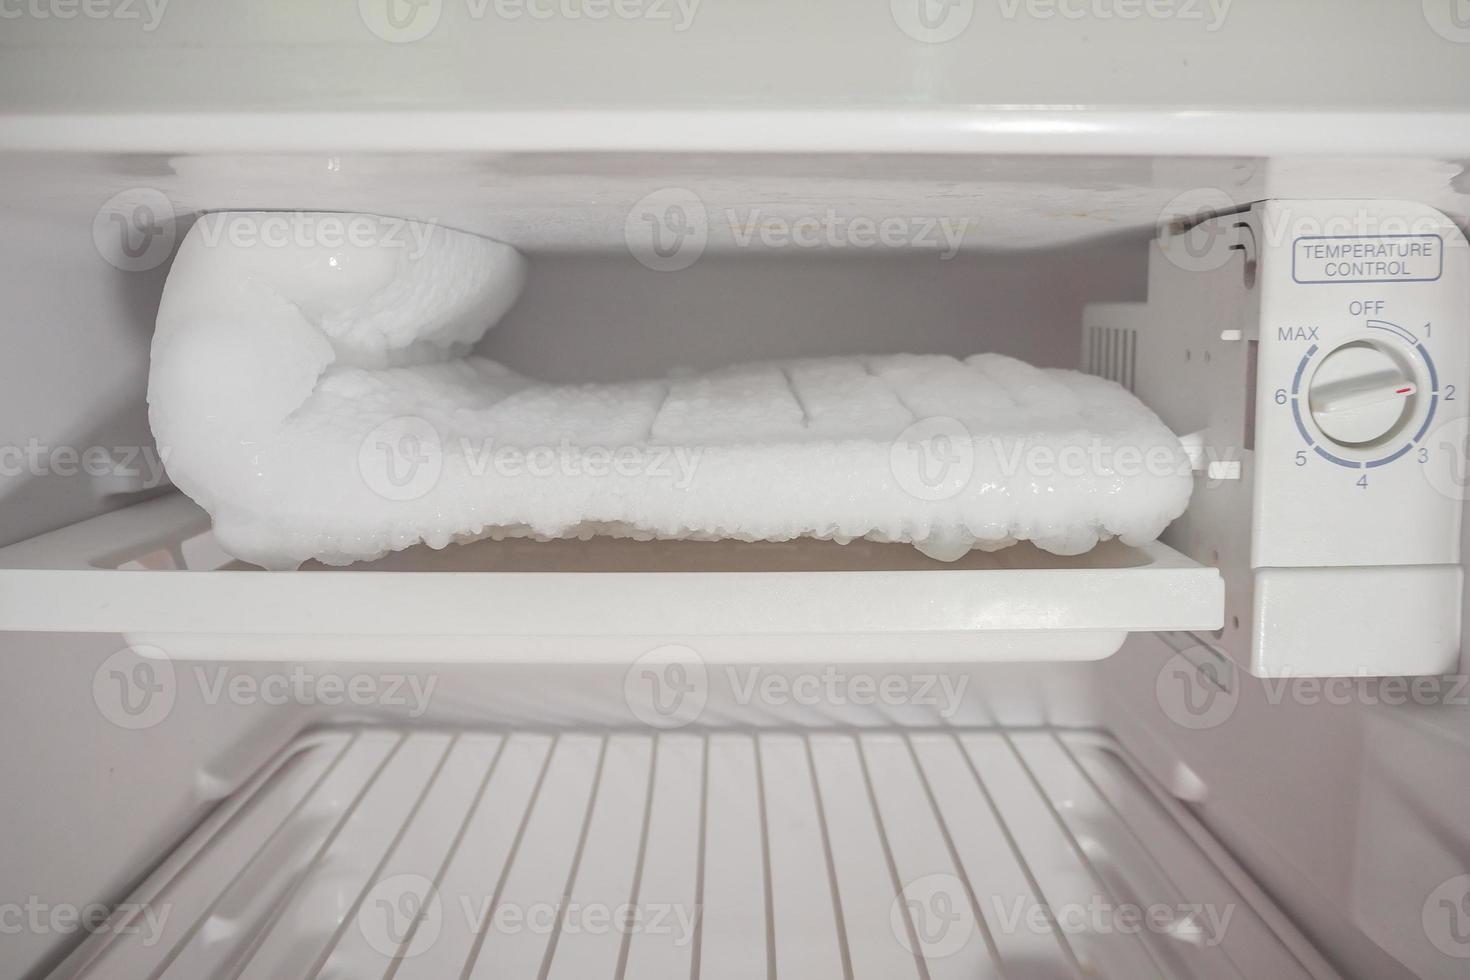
[{"x": 315, "y": 399}]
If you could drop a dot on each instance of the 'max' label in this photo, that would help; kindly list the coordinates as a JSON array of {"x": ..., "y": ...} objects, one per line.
[{"x": 1367, "y": 258}]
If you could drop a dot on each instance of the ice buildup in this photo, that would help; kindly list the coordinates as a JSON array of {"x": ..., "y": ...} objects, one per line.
[{"x": 312, "y": 388}]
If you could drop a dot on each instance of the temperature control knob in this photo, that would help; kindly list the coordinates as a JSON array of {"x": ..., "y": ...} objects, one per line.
[{"x": 1360, "y": 394}]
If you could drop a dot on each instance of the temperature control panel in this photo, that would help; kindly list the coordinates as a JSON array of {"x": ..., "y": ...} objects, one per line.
[
  {"x": 1359, "y": 370},
  {"x": 1314, "y": 355}
]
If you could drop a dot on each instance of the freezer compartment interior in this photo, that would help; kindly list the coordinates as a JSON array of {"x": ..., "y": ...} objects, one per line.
[
  {"x": 1336, "y": 806},
  {"x": 1277, "y": 479}
]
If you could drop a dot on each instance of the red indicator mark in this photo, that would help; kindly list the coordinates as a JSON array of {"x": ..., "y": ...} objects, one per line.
[{"x": 1403, "y": 391}]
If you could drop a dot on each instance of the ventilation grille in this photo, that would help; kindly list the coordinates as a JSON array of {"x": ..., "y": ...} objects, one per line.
[
  {"x": 806, "y": 855},
  {"x": 1112, "y": 353}
]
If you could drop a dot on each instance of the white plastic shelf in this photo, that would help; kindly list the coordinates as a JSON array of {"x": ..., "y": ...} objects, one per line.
[
  {"x": 371, "y": 853},
  {"x": 153, "y": 573}
]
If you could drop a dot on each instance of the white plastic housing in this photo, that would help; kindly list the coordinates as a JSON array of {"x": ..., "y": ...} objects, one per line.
[{"x": 1318, "y": 350}]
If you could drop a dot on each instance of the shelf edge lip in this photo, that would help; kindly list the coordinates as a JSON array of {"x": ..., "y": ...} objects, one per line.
[
  {"x": 1001, "y": 130},
  {"x": 52, "y": 583},
  {"x": 673, "y": 604}
]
